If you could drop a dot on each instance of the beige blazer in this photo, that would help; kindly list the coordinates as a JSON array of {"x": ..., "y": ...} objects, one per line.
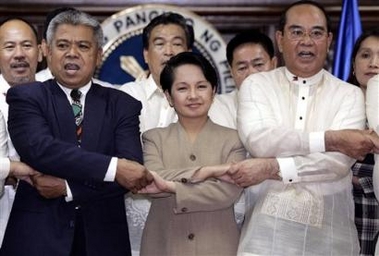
[{"x": 199, "y": 218}]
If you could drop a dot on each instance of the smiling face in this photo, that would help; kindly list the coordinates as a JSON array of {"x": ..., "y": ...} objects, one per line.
[
  {"x": 19, "y": 52},
  {"x": 191, "y": 94},
  {"x": 366, "y": 62},
  {"x": 165, "y": 41},
  {"x": 304, "y": 55},
  {"x": 250, "y": 58},
  {"x": 73, "y": 55}
]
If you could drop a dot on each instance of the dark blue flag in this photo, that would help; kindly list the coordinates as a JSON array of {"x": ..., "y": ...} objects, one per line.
[{"x": 349, "y": 30}]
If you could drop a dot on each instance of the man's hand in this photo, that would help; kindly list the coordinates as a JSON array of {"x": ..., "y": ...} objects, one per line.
[
  {"x": 375, "y": 141},
  {"x": 49, "y": 186},
  {"x": 356, "y": 182},
  {"x": 132, "y": 175},
  {"x": 254, "y": 171},
  {"x": 159, "y": 185},
  {"x": 21, "y": 171},
  {"x": 354, "y": 143}
]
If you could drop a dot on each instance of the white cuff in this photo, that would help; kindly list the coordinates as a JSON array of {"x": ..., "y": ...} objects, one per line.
[
  {"x": 111, "y": 172},
  {"x": 288, "y": 170},
  {"x": 69, "y": 196},
  {"x": 5, "y": 166},
  {"x": 317, "y": 142}
]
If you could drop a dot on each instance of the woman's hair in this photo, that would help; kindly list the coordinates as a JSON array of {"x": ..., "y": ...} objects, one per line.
[
  {"x": 358, "y": 43},
  {"x": 168, "y": 73}
]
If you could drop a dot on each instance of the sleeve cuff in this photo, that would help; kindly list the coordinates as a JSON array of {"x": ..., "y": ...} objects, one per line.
[
  {"x": 69, "y": 196},
  {"x": 288, "y": 170},
  {"x": 317, "y": 142},
  {"x": 5, "y": 166},
  {"x": 111, "y": 172}
]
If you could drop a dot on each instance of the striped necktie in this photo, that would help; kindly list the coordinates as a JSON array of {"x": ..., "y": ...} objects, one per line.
[{"x": 78, "y": 113}]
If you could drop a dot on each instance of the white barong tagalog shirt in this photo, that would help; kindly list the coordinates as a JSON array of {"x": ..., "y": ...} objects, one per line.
[{"x": 310, "y": 212}]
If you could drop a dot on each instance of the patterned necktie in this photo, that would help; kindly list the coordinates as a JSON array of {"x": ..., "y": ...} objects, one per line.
[{"x": 78, "y": 114}]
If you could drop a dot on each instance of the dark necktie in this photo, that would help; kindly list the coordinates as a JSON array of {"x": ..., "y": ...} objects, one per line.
[{"x": 78, "y": 113}]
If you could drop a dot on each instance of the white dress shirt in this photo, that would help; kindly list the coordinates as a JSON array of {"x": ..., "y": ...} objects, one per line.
[
  {"x": 7, "y": 151},
  {"x": 156, "y": 111},
  {"x": 311, "y": 211},
  {"x": 4, "y": 160},
  {"x": 224, "y": 109},
  {"x": 7, "y": 193}
]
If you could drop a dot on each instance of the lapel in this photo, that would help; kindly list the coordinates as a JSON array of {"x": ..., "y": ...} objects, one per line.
[
  {"x": 64, "y": 116},
  {"x": 94, "y": 111}
]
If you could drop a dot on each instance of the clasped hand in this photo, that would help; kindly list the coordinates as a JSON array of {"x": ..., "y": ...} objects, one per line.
[
  {"x": 159, "y": 185},
  {"x": 132, "y": 175},
  {"x": 49, "y": 186},
  {"x": 354, "y": 143},
  {"x": 245, "y": 173}
]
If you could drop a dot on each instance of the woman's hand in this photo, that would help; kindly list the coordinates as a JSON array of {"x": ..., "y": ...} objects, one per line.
[
  {"x": 159, "y": 185},
  {"x": 215, "y": 171}
]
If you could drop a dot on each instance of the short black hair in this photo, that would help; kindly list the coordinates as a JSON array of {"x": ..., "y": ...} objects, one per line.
[
  {"x": 23, "y": 20},
  {"x": 166, "y": 19},
  {"x": 283, "y": 16},
  {"x": 168, "y": 73},
  {"x": 369, "y": 33},
  {"x": 253, "y": 36},
  {"x": 51, "y": 15}
]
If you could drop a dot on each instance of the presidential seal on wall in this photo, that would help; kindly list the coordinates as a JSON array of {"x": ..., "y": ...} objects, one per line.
[{"x": 123, "y": 61}]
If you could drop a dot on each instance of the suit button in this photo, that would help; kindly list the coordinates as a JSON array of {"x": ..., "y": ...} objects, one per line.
[
  {"x": 184, "y": 209},
  {"x": 184, "y": 180},
  {"x": 191, "y": 236},
  {"x": 192, "y": 157}
]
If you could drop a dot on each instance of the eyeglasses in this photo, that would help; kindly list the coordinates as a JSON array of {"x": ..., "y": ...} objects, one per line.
[{"x": 297, "y": 34}]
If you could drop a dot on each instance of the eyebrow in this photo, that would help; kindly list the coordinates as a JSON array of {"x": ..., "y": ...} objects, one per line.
[
  {"x": 258, "y": 59},
  {"x": 174, "y": 38},
  {"x": 75, "y": 41},
  {"x": 249, "y": 61},
  {"x": 22, "y": 41},
  {"x": 301, "y": 27}
]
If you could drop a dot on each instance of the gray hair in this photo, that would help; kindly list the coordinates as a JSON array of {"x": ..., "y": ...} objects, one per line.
[{"x": 75, "y": 18}]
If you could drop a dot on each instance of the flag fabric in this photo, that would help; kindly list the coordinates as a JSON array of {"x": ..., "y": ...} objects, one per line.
[{"x": 350, "y": 29}]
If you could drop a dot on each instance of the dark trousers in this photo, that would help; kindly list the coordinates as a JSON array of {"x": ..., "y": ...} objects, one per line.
[{"x": 79, "y": 244}]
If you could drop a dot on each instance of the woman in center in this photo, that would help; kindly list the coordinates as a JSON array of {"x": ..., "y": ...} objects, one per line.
[{"x": 188, "y": 218}]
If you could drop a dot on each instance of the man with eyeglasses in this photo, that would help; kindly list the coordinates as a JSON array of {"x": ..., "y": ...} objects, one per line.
[{"x": 303, "y": 127}]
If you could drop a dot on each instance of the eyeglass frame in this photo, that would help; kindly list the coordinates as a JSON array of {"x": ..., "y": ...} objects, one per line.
[{"x": 303, "y": 33}]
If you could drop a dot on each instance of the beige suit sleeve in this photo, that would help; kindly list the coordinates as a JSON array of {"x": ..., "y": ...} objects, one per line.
[{"x": 209, "y": 195}]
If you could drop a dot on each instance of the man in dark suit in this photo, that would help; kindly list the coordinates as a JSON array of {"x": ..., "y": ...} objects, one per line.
[{"x": 76, "y": 205}]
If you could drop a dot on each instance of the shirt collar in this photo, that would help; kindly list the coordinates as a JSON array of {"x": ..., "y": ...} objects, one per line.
[
  {"x": 4, "y": 86},
  {"x": 304, "y": 81},
  {"x": 83, "y": 89},
  {"x": 151, "y": 87}
]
